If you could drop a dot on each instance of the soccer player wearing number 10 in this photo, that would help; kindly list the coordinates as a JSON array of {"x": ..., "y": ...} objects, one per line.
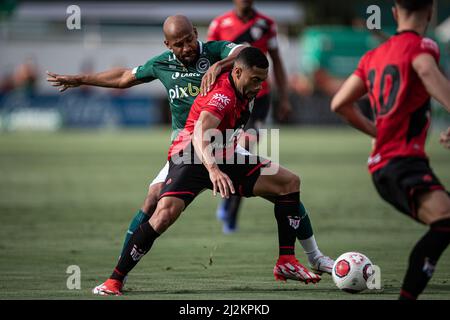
[{"x": 400, "y": 76}]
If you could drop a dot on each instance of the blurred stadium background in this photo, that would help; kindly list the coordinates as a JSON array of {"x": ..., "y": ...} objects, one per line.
[
  {"x": 71, "y": 173},
  {"x": 320, "y": 42}
]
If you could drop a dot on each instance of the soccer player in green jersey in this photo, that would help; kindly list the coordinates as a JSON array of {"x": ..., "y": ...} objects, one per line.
[{"x": 186, "y": 69}]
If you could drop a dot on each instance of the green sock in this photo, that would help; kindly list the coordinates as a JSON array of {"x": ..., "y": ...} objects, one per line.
[
  {"x": 305, "y": 235},
  {"x": 305, "y": 230},
  {"x": 138, "y": 219}
]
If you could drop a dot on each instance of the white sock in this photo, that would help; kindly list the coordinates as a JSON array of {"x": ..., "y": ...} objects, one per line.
[{"x": 311, "y": 249}]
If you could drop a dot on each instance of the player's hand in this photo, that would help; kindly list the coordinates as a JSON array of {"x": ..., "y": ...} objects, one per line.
[
  {"x": 209, "y": 78},
  {"x": 284, "y": 109},
  {"x": 221, "y": 182},
  {"x": 62, "y": 81},
  {"x": 444, "y": 138}
]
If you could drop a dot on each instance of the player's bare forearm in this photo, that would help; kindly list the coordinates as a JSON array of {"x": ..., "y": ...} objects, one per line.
[
  {"x": 217, "y": 68},
  {"x": 344, "y": 101},
  {"x": 228, "y": 62},
  {"x": 436, "y": 84},
  {"x": 353, "y": 115},
  {"x": 114, "y": 78},
  {"x": 205, "y": 125}
]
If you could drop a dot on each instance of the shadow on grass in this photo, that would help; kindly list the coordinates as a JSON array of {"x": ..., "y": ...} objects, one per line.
[{"x": 250, "y": 291}]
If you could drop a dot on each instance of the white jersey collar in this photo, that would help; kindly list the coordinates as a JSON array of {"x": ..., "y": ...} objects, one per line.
[{"x": 200, "y": 46}]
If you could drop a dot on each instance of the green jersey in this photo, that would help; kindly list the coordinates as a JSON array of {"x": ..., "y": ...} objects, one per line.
[{"x": 183, "y": 82}]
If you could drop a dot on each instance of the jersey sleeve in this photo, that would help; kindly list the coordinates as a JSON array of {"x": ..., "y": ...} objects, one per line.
[
  {"x": 361, "y": 68},
  {"x": 222, "y": 49},
  {"x": 218, "y": 102},
  {"x": 213, "y": 31},
  {"x": 146, "y": 72},
  {"x": 426, "y": 45}
]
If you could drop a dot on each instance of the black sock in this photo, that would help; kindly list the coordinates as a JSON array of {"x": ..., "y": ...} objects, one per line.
[
  {"x": 288, "y": 220},
  {"x": 140, "y": 218},
  {"x": 139, "y": 244},
  {"x": 423, "y": 259}
]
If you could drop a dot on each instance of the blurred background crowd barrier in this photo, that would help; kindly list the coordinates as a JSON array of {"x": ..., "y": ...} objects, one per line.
[{"x": 320, "y": 44}]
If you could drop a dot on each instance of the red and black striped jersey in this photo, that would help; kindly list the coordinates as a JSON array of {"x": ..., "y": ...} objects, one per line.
[
  {"x": 260, "y": 32},
  {"x": 226, "y": 104},
  {"x": 399, "y": 100}
]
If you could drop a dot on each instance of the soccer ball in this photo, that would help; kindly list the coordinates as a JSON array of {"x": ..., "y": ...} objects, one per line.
[{"x": 351, "y": 272}]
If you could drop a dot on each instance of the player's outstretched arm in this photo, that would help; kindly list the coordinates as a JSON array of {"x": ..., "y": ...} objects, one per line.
[
  {"x": 284, "y": 108},
  {"x": 217, "y": 68},
  {"x": 204, "y": 128},
  {"x": 437, "y": 85},
  {"x": 344, "y": 101},
  {"x": 115, "y": 78}
]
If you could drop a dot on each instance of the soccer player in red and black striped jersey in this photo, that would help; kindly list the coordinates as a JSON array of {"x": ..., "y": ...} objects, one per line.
[
  {"x": 246, "y": 25},
  {"x": 400, "y": 76},
  {"x": 196, "y": 164}
]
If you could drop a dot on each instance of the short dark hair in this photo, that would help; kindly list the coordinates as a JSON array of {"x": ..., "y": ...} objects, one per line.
[
  {"x": 252, "y": 57},
  {"x": 414, "y": 5}
]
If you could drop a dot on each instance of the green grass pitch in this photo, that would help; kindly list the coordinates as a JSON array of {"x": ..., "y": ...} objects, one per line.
[{"x": 67, "y": 198}]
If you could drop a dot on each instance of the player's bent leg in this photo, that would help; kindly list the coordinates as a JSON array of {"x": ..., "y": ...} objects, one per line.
[
  {"x": 433, "y": 206},
  {"x": 282, "y": 183},
  {"x": 144, "y": 214},
  {"x": 283, "y": 190},
  {"x": 433, "y": 210},
  {"x": 151, "y": 201},
  {"x": 166, "y": 213},
  {"x": 140, "y": 243},
  {"x": 286, "y": 182}
]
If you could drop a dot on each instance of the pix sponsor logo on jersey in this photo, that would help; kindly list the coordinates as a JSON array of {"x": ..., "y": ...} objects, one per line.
[{"x": 179, "y": 92}]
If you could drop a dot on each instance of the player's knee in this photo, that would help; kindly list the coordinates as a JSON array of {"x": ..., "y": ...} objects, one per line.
[
  {"x": 290, "y": 183},
  {"x": 293, "y": 184},
  {"x": 297, "y": 182},
  {"x": 439, "y": 212},
  {"x": 443, "y": 212}
]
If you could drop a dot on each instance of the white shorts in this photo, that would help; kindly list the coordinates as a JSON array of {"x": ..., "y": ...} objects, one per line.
[{"x": 162, "y": 175}]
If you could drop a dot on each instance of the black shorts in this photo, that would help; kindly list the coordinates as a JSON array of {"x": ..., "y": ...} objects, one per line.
[
  {"x": 259, "y": 112},
  {"x": 186, "y": 181},
  {"x": 402, "y": 180}
]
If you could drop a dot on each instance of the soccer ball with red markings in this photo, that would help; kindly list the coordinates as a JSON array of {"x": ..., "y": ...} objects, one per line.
[{"x": 351, "y": 272}]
